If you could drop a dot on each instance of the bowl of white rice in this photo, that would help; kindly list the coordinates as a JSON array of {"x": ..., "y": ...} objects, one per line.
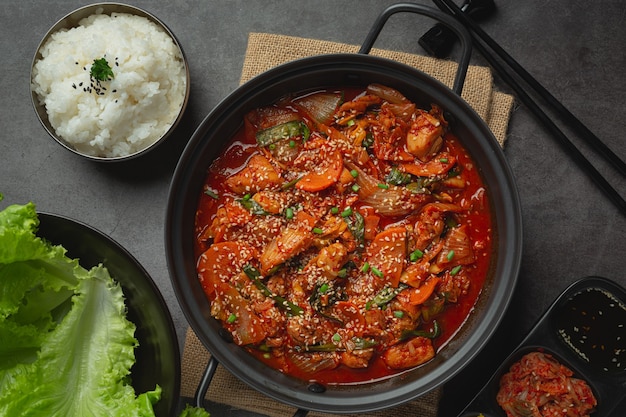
[{"x": 109, "y": 82}]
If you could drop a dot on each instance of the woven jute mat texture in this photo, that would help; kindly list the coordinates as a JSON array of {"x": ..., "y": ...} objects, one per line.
[{"x": 264, "y": 52}]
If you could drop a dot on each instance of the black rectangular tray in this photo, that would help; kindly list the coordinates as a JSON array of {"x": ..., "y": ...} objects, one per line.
[{"x": 585, "y": 330}]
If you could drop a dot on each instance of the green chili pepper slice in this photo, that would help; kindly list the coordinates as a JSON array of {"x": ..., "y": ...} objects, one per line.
[{"x": 255, "y": 276}]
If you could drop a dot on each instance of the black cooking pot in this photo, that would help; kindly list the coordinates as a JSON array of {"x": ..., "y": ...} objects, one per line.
[{"x": 343, "y": 70}]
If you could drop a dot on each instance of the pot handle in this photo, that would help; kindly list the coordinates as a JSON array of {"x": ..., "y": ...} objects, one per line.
[
  {"x": 449, "y": 21},
  {"x": 205, "y": 383}
]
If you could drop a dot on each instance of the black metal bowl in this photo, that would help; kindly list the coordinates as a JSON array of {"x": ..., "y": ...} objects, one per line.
[
  {"x": 72, "y": 20},
  {"x": 157, "y": 356}
]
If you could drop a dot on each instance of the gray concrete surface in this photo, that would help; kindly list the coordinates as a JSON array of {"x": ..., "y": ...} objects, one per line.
[{"x": 576, "y": 48}]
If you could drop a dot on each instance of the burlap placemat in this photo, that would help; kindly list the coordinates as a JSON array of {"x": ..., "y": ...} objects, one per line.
[
  {"x": 267, "y": 50},
  {"x": 264, "y": 52}
]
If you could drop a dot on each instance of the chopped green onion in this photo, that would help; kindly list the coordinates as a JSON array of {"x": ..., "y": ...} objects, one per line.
[
  {"x": 377, "y": 272},
  {"x": 323, "y": 288},
  {"x": 384, "y": 296},
  {"x": 252, "y": 206},
  {"x": 359, "y": 344},
  {"x": 356, "y": 224},
  {"x": 289, "y": 213},
  {"x": 354, "y": 173},
  {"x": 211, "y": 194},
  {"x": 451, "y": 222},
  {"x": 455, "y": 270},
  {"x": 267, "y": 355},
  {"x": 342, "y": 273},
  {"x": 255, "y": 276},
  {"x": 290, "y": 184},
  {"x": 397, "y": 177},
  {"x": 365, "y": 267},
  {"x": 383, "y": 186},
  {"x": 435, "y": 332},
  {"x": 231, "y": 318},
  {"x": 347, "y": 212},
  {"x": 334, "y": 210},
  {"x": 336, "y": 337},
  {"x": 273, "y": 270},
  {"x": 444, "y": 160},
  {"x": 317, "y": 231},
  {"x": 356, "y": 188},
  {"x": 450, "y": 255},
  {"x": 292, "y": 143},
  {"x": 415, "y": 255},
  {"x": 272, "y": 146},
  {"x": 398, "y": 314},
  {"x": 368, "y": 141}
]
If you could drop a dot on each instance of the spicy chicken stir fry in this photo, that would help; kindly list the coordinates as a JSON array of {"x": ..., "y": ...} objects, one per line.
[{"x": 338, "y": 227}]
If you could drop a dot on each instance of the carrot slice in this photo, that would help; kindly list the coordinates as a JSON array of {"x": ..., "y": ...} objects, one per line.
[
  {"x": 324, "y": 175},
  {"x": 237, "y": 215},
  {"x": 222, "y": 261},
  {"x": 436, "y": 166},
  {"x": 416, "y": 273},
  {"x": 348, "y": 312},
  {"x": 387, "y": 253},
  {"x": 423, "y": 293},
  {"x": 371, "y": 226}
]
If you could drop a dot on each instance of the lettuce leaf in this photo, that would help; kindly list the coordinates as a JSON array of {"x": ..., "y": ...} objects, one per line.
[
  {"x": 66, "y": 346},
  {"x": 29, "y": 266},
  {"x": 190, "y": 411}
]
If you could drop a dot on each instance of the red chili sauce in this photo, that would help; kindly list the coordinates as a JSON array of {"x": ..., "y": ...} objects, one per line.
[{"x": 343, "y": 236}]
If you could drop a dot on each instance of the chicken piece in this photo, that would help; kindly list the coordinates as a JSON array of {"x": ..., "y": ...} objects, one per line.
[
  {"x": 430, "y": 223},
  {"x": 425, "y": 135},
  {"x": 330, "y": 260},
  {"x": 272, "y": 202},
  {"x": 408, "y": 354},
  {"x": 357, "y": 358}
]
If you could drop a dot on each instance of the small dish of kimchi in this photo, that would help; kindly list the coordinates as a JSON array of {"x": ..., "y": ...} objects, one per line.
[{"x": 343, "y": 235}]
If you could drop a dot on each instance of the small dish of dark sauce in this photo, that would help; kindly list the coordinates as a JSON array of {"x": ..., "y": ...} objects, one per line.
[{"x": 592, "y": 323}]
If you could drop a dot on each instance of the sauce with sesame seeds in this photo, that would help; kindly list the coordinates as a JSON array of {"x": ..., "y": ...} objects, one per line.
[
  {"x": 304, "y": 197},
  {"x": 591, "y": 323}
]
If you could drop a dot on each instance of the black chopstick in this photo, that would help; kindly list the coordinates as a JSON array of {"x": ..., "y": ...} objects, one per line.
[
  {"x": 480, "y": 36},
  {"x": 585, "y": 133}
]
